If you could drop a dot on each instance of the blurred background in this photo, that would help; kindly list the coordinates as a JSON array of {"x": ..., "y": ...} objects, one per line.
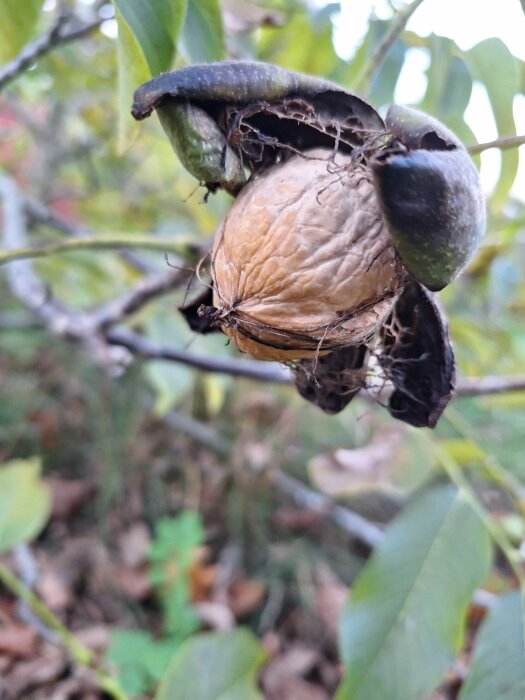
[{"x": 152, "y": 461}]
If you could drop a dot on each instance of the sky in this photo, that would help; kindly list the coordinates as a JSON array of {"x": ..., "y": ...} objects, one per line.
[{"x": 467, "y": 22}]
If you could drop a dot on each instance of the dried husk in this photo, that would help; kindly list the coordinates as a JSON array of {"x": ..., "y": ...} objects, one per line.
[{"x": 303, "y": 263}]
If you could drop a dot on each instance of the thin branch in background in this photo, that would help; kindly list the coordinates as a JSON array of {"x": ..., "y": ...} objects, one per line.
[
  {"x": 145, "y": 242},
  {"x": 502, "y": 143},
  {"x": 251, "y": 369},
  {"x": 394, "y": 31},
  {"x": 483, "y": 386},
  {"x": 56, "y": 35},
  {"x": 145, "y": 291}
]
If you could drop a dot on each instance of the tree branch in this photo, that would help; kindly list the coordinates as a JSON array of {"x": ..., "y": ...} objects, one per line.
[
  {"x": 115, "y": 242},
  {"x": 482, "y": 386},
  {"x": 502, "y": 143},
  {"x": 55, "y": 36},
  {"x": 396, "y": 28},
  {"x": 251, "y": 369}
]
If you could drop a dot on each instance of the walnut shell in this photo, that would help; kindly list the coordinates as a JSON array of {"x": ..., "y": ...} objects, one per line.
[{"x": 303, "y": 263}]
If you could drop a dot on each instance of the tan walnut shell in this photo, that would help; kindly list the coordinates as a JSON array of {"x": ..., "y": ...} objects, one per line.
[{"x": 303, "y": 263}]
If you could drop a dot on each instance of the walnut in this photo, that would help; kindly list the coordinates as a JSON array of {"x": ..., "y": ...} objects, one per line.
[{"x": 303, "y": 263}]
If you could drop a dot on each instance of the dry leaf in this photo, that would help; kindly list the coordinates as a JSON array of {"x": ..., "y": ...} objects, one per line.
[
  {"x": 18, "y": 640},
  {"x": 68, "y": 496},
  {"x": 245, "y": 596},
  {"x": 134, "y": 544},
  {"x": 346, "y": 471}
]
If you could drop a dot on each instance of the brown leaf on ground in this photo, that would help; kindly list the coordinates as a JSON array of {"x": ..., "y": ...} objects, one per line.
[
  {"x": 345, "y": 471},
  {"x": 202, "y": 577},
  {"x": 284, "y": 677},
  {"x": 216, "y": 616},
  {"x": 95, "y": 637},
  {"x": 68, "y": 495},
  {"x": 53, "y": 590},
  {"x": 245, "y": 596},
  {"x": 330, "y": 598},
  {"x": 133, "y": 544},
  {"x": 18, "y": 640},
  {"x": 134, "y": 584},
  {"x": 47, "y": 667}
]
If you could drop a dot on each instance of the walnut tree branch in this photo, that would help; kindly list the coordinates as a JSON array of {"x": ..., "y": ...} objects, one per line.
[
  {"x": 502, "y": 143},
  {"x": 56, "y": 35}
]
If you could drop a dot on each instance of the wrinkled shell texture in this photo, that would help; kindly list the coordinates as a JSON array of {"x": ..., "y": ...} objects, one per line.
[{"x": 303, "y": 262}]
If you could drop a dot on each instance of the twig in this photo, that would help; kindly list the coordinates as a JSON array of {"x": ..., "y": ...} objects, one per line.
[
  {"x": 502, "y": 143},
  {"x": 146, "y": 290},
  {"x": 347, "y": 521},
  {"x": 483, "y": 386},
  {"x": 178, "y": 246},
  {"x": 55, "y": 36},
  {"x": 81, "y": 654},
  {"x": 398, "y": 24},
  {"x": 147, "y": 349}
]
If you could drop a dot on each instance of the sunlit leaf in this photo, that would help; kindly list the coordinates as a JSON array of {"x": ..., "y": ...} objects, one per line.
[
  {"x": 497, "y": 668},
  {"x": 449, "y": 86},
  {"x": 25, "y": 502},
  {"x": 404, "y": 622},
  {"x": 463, "y": 451},
  {"x": 148, "y": 32},
  {"x": 17, "y": 25},
  {"x": 219, "y": 666},
  {"x": 202, "y": 38},
  {"x": 497, "y": 69}
]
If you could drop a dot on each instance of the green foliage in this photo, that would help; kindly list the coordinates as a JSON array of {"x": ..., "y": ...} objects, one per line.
[
  {"x": 220, "y": 666},
  {"x": 140, "y": 659},
  {"x": 496, "y": 68},
  {"x": 17, "y": 27},
  {"x": 148, "y": 33},
  {"x": 25, "y": 502},
  {"x": 405, "y": 619},
  {"x": 202, "y": 37},
  {"x": 498, "y": 665}
]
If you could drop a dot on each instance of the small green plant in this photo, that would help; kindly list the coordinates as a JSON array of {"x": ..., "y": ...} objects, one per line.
[{"x": 140, "y": 658}]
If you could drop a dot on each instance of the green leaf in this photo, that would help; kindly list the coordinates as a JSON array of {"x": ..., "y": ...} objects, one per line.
[
  {"x": 17, "y": 25},
  {"x": 449, "y": 87},
  {"x": 129, "y": 651},
  {"x": 25, "y": 502},
  {"x": 497, "y": 69},
  {"x": 404, "y": 622},
  {"x": 219, "y": 666},
  {"x": 463, "y": 451},
  {"x": 202, "y": 37},
  {"x": 147, "y": 35},
  {"x": 497, "y": 668}
]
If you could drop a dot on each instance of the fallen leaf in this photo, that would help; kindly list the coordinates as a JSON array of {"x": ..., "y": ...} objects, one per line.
[
  {"x": 345, "y": 471},
  {"x": 53, "y": 590},
  {"x": 134, "y": 544},
  {"x": 26, "y": 675},
  {"x": 330, "y": 597},
  {"x": 245, "y": 596},
  {"x": 134, "y": 584},
  {"x": 216, "y": 616},
  {"x": 283, "y": 677},
  {"x": 68, "y": 495},
  {"x": 18, "y": 640}
]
